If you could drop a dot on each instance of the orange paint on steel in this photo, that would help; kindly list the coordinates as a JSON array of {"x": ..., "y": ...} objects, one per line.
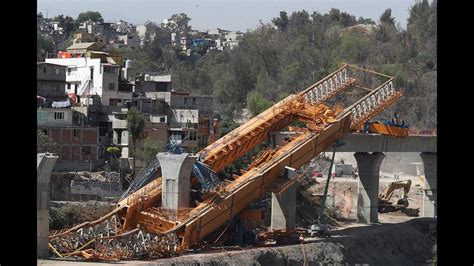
[{"x": 389, "y": 130}]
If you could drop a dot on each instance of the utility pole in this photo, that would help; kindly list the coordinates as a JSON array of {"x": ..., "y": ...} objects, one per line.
[{"x": 320, "y": 228}]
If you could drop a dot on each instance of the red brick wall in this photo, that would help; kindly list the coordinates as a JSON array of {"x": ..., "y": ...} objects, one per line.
[
  {"x": 76, "y": 153},
  {"x": 89, "y": 136},
  {"x": 66, "y": 135},
  {"x": 77, "y": 139},
  {"x": 70, "y": 147},
  {"x": 65, "y": 153},
  {"x": 55, "y": 134},
  {"x": 93, "y": 153}
]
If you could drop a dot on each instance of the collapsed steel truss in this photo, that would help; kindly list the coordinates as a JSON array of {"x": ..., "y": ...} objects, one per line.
[{"x": 137, "y": 228}]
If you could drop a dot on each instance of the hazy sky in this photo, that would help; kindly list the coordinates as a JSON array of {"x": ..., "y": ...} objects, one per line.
[{"x": 226, "y": 14}]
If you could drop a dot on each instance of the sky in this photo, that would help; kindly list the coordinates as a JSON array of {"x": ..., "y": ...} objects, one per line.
[{"x": 225, "y": 14}]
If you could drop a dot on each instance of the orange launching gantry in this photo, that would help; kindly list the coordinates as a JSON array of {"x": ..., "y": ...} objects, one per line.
[{"x": 140, "y": 227}]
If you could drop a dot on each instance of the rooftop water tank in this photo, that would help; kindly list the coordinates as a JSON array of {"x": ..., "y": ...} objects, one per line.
[{"x": 128, "y": 63}]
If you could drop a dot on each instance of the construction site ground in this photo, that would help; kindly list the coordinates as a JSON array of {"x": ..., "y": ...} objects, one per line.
[
  {"x": 395, "y": 239},
  {"x": 410, "y": 242}
]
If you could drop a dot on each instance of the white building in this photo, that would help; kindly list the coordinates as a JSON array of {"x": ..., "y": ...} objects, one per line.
[
  {"x": 90, "y": 76},
  {"x": 141, "y": 31}
]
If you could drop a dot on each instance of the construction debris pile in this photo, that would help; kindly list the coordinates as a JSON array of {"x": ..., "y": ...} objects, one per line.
[{"x": 102, "y": 176}]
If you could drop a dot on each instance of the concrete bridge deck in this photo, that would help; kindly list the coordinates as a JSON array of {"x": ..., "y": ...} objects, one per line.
[
  {"x": 358, "y": 142},
  {"x": 380, "y": 143}
]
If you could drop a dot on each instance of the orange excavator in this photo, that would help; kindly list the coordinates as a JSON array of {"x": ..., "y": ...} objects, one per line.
[{"x": 140, "y": 227}]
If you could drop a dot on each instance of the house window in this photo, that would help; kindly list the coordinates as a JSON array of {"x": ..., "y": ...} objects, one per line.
[
  {"x": 194, "y": 101},
  {"x": 68, "y": 86},
  {"x": 69, "y": 71},
  {"x": 45, "y": 132},
  {"x": 162, "y": 119},
  {"x": 44, "y": 70},
  {"x": 185, "y": 100},
  {"x": 111, "y": 86},
  {"x": 41, "y": 115},
  {"x": 58, "y": 115},
  {"x": 92, "y": 73},
  {"x": 75, "y": 133}
]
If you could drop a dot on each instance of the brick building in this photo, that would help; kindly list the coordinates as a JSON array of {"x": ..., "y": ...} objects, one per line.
[{"x": 79, "y": 145}]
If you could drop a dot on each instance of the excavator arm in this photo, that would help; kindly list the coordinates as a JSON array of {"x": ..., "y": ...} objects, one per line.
[{"x": 388, "y": 193}]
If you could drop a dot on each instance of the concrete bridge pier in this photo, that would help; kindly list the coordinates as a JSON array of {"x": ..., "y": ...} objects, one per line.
[
  {"x": 430, "y": 194},
  {"x": 44, "y": 166},
  {"x": 176, "y": 182},
  {"x": 284, "y": 205},
  {"x": 369, "y": 170}
]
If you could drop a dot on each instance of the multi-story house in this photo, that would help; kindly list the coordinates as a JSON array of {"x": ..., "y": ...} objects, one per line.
[
  {"x": 90, "y": 71},
  {"x": 51, "y": 81}
]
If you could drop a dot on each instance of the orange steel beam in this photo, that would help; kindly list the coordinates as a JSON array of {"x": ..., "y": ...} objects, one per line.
[
  {"x": 278, "y": 116},
  {"x": 253, "y": 183}
]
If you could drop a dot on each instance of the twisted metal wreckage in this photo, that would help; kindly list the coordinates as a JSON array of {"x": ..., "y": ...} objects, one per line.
[{"x": 140, "y": 228}]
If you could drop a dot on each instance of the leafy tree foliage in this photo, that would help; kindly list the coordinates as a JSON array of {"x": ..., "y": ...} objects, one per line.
[
  {"x": 89, "y": 15},
  {"x": 298, "y": 49},
  {"x": 67, "y": 23},
  {"x": 178, "y": 23},
  {"x": 386, "y": 17},
  {"x": 257, "y": 104},
  {"x": 147, "y": 152},
  {"x": 44, "y": 44},
  {"x": 281, "y": 22},
  {"x": 44, "y": 143}
]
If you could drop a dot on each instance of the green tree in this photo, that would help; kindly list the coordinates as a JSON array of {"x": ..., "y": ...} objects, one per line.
[
  {"x": 66, "y": 22},
  {"x": 147, "y": 152},
  {"x": 178, "y": 23},
  {"x": 44, "y": 44},
  {"x": 136, "y": 124},
  {"x": 153, "y": 51},
  {"x": 227, "y": 125},
  {"x": 363, "y": 20},
  {"x": 44, "y": 143},
  {"x": 281, "y": 22},
  {"x": 256, "y": 103},
  {"x": 386, "y": 17},
  {"x": 93, "y": 16}
]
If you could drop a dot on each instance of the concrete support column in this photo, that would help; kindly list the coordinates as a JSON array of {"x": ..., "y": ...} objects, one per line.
[
  {"x": 430, "y": 195},
  {"x": 369, "y": 169},
  {"x": 176, "y": 184},
  {"x": 284, "y": 205},
  {"x": 44, "y": 166}
]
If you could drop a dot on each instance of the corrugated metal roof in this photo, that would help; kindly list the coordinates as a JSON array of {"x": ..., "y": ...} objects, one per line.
[
  {"x": 160, "y": 78},
  {"x": 82, "y": 45},
  {"x": 98, "y": 52}
]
